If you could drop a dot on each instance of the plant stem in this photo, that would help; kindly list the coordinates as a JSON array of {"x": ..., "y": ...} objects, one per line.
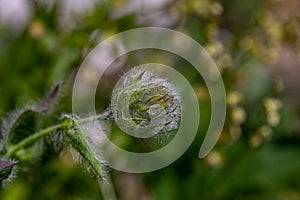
[
  {"x": 107, "y": 189},
  {"x": 32, "y": 138}
]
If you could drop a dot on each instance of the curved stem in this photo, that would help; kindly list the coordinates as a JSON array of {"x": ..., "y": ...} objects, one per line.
[{"x": 32, "y": 138}]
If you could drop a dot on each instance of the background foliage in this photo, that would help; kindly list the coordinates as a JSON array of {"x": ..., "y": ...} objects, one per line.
[{"x": 256, "y": 47}]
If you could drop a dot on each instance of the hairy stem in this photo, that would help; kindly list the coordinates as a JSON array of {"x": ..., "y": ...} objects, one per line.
[
  {"x": 34, "y": 137},
  {"x": 11, "y": 150}
]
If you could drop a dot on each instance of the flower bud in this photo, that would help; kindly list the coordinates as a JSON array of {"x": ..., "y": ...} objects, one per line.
[{"x": 145, "y": 104}]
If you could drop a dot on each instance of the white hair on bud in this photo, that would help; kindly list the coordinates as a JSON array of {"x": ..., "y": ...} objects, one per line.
[{"x": 142, "y": 99}]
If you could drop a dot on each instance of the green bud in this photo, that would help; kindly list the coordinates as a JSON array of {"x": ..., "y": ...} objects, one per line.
[{"x": 145, "y": 104}]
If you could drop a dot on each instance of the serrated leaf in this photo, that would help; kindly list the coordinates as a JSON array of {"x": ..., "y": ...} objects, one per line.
[{"x": 6, "y": 168}]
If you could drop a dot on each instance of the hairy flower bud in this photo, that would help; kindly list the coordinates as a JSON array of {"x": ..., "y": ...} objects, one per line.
[{"x": 145, "y": 104}]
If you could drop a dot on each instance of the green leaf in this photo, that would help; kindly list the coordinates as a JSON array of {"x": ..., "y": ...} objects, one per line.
[
  {"x": 22, "y": 123},
  {"x": 79, "y": 141}
]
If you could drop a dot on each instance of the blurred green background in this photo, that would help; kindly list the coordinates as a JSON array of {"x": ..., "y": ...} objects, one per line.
[{"x": 256, "y": 45}]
